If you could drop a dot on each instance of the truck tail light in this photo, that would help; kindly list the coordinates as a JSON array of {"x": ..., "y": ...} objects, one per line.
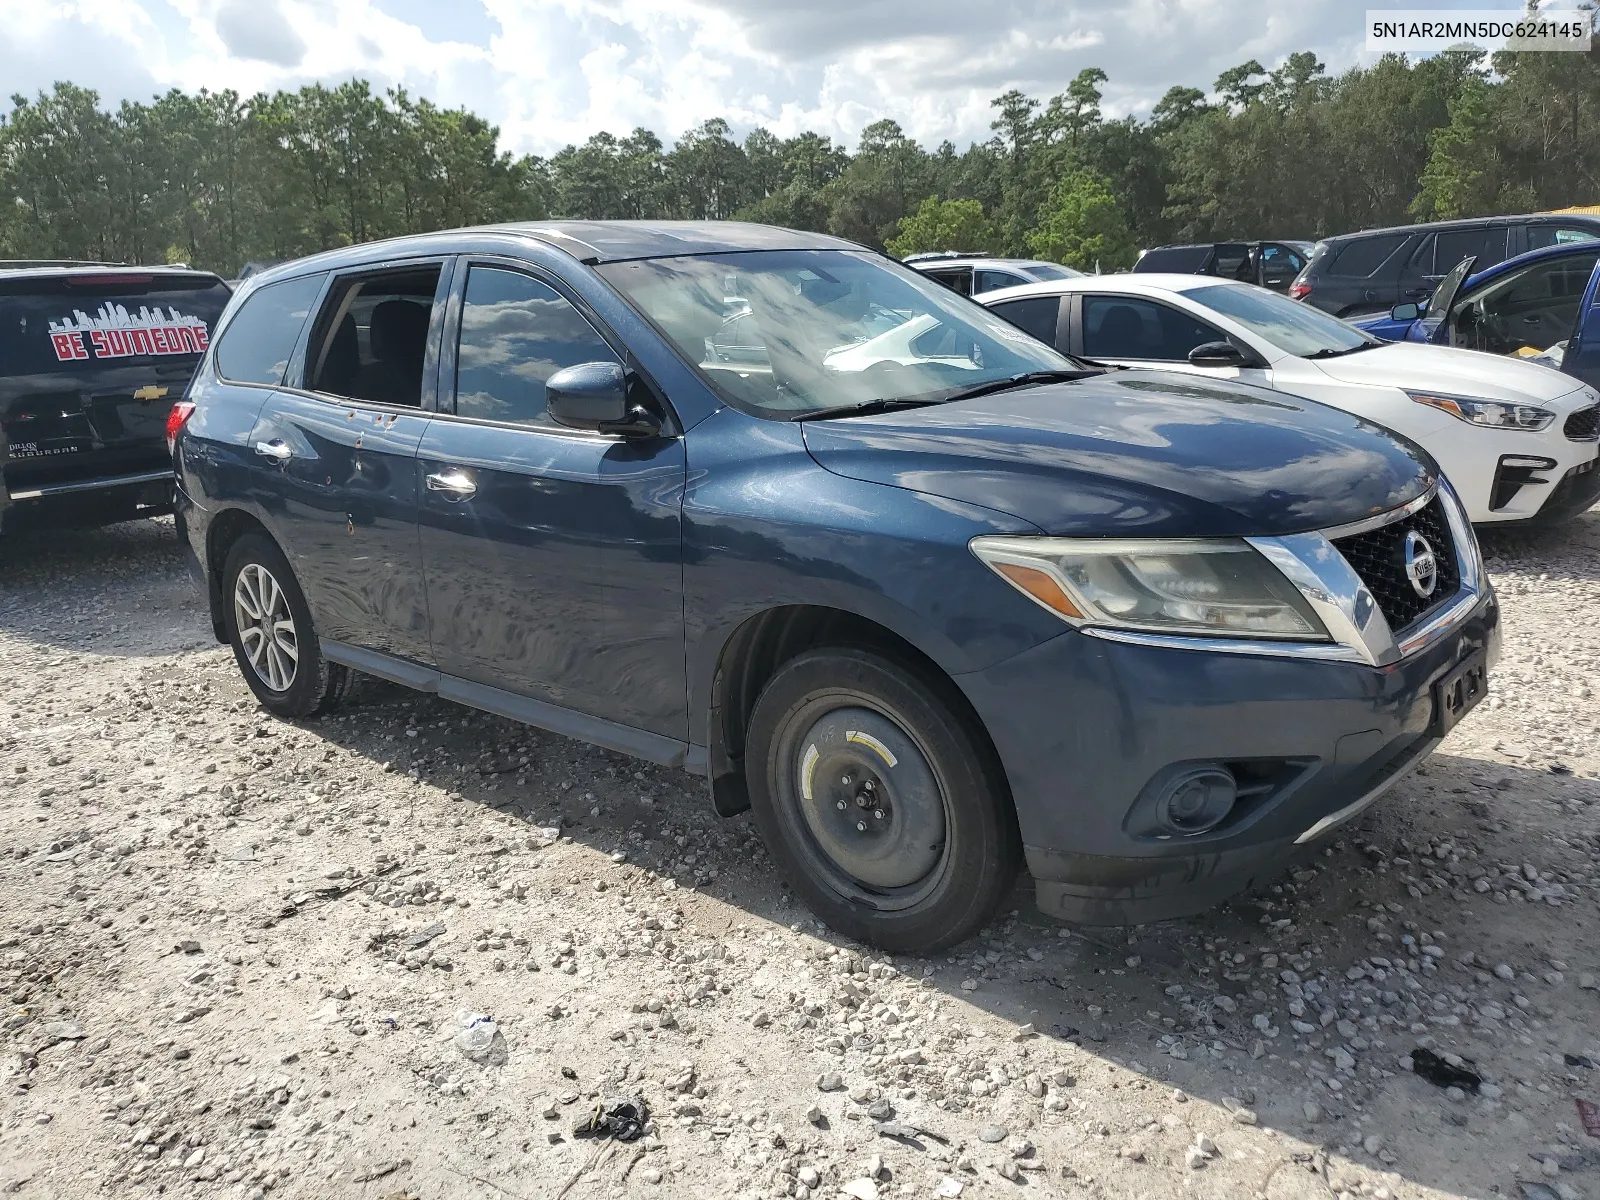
[{"x": 176, "y": 420}]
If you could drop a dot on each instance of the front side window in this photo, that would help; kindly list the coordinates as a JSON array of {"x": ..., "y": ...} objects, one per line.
[
  {"x": 1129, "y": 327},
  {"x": 787, "y": 332},
  {"x": 1421, "y": 260},
  {"x": 516, "y": 332},
  {"x": 1295, "y": 328},
  {"x": 259, "y": 339},
  {"x": 373, "y": 337},
  {"x": 1526, "y": 312}
]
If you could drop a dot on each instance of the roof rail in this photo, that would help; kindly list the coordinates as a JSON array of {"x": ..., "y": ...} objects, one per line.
[{"x": 23, "y": 264}]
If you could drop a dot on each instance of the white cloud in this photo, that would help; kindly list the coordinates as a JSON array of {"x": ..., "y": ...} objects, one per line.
[
  {"x": 258, "y": 30},
  {"x": 554, "y": 71}
]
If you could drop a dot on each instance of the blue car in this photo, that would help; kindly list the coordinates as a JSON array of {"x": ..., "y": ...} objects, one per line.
[
  {"x": 1541, "y": 305},
  {"x": 928, "y": 597}
]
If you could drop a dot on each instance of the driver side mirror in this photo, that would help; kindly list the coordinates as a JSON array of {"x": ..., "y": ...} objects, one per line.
[
  {"x": 1219, "y": 354},
  {"x": 594, "y": 396},
  {"x": 1405, "y": 312}
]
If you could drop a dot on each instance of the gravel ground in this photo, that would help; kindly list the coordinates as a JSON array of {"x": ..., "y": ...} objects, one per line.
[{"x": 235, "y": 949}]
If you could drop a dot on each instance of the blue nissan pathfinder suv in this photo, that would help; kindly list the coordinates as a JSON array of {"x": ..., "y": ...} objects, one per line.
[{"x": 929, "y": 598}]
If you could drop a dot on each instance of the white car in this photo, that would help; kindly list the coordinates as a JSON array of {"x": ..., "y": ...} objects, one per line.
[{"x": 1517, "y": 439}]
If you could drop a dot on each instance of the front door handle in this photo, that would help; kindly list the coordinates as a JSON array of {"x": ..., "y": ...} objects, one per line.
[
  {"x": 453, "y": 483},
  {"x": 277, "y": 450}
]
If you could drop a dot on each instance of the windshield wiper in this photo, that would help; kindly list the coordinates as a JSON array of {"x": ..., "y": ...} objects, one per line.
[
  {"x": 1027, "y": 379},
  {"x": 1329, "y": 352},
  {"x": 864, "y": 408},
  {"x": 868, "y": 407}
]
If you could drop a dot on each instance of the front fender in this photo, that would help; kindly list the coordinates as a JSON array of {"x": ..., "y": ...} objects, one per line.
[{"x": 765, "y": 527}]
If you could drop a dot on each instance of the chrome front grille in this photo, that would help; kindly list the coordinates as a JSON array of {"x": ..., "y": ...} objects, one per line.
[{"x": 1379, "y": 557}]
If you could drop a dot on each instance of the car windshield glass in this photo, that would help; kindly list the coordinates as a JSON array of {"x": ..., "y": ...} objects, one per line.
[
  {"x": 786, "y": 332},
  {"x": 1292, "y": 327}
]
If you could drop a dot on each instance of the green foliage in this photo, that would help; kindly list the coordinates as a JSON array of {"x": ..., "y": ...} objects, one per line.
[
  {"x": 1528, "y": 140},
  {"x": 943, "y": 225},
  {"x": 218, "y": 179},
  {"x": 1459, "y": 179},
  {"x": 1082, "y": 225}
]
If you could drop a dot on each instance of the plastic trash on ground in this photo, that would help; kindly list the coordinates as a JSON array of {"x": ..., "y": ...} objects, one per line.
[{"x": 479, "y": 1038}]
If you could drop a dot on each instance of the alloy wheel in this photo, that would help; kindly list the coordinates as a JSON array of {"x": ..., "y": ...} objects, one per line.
[{"x": 266, "y": 627}]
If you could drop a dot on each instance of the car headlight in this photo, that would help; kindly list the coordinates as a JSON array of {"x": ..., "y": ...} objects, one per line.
[
  {"x": 1208, "y": 587},
  {"x": 1496, "y": 414}
]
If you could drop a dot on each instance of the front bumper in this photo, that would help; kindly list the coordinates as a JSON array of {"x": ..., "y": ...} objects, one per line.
[
  {"x": 1514, "y": 478},
  {"x": 1084, "y": 725},
  {"x": 1571, "y": 495}
]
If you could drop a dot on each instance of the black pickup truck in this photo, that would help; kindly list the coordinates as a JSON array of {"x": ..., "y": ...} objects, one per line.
[{"x": 93, "y": 357}]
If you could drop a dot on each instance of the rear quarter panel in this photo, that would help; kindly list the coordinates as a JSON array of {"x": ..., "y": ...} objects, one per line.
[{"x": 214, "y": 458}]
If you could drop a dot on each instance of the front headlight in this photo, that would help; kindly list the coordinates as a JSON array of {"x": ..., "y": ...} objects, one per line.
[
  {"x": 1209, "y": 587},
  {"x": 1496, "y": 414}
]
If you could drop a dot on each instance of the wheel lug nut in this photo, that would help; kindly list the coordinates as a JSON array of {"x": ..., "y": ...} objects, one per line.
[
  {"x": 868, "y": 785},
  {"x": 861, "y": 826},
  {"x": 841, "y": 806},
  {"x": 845, "y": 781},
  {"x": 878, "y": 812}
]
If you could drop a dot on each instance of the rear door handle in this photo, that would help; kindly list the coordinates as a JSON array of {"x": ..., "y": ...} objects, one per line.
[
  {"x": 453, "y": 483},
  {"x": 277, "y": 450}
]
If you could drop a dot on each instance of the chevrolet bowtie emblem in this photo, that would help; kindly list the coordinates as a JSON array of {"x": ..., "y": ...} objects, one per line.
[{"x": 150, "y": 392}]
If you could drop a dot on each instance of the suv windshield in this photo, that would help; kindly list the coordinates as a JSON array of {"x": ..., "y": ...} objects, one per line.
[
  {"x": 1292, "y": 327},
  {"x": 788, "y": 332}
]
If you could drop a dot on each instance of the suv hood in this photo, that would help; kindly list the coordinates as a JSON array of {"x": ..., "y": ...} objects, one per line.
[
  {"x": 1141, "y": 453},
  {"x": 1421, "y": 367}
]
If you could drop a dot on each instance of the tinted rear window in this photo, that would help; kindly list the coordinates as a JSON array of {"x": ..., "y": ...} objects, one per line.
[
  {"x": 1035, "y": 315},
  {"x": 1184, "y": 260},
  {"x": 1045, "y": 271},
  {"x": 258, "y": 341},
  {"x": 55, "y": 325},
  {"x": 1361, "y": 258},
  {"x": 1487, "y": 245}
]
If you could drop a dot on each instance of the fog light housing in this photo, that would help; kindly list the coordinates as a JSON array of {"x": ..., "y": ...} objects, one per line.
[
  {"x": 1513, "y": 473},
  {"x": 1197, "y": 801}
]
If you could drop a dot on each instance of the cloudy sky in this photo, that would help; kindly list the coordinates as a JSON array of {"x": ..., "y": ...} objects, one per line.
[{"x": 554, "y": 71}]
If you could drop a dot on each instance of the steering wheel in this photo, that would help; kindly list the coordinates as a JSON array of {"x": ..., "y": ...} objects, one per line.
[{"x": 1497, "y": 336}]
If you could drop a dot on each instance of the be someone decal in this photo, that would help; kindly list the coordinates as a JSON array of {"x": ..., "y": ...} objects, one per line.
[{"x": 116, "y": 333}]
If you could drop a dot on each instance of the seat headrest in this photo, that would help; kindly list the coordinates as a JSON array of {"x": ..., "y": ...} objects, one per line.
[{"x": 399, "y": 328}]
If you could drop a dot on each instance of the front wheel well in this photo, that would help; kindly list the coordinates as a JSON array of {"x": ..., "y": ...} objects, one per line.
[
  {"x": 763, "y": 644},
  {"x": 226, "y": 528}
]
